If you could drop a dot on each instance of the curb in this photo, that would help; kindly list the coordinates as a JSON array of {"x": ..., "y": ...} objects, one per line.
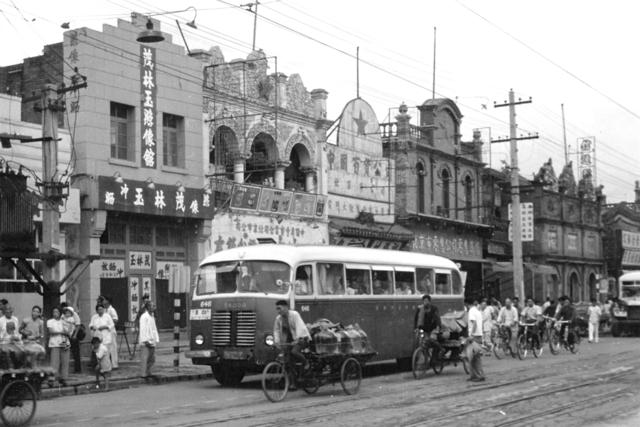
[{"x": 88, "y": 387}]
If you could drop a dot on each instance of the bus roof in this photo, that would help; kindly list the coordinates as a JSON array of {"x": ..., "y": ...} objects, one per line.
[
  {"x": 632, "y": 275},
  {"x": 294, "y": 254}
]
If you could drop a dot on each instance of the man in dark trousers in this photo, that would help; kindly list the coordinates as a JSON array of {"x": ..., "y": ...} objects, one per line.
[{"x": 427, "y": 316}]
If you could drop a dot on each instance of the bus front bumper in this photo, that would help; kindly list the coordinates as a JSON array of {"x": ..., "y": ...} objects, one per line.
[{"x": 200, "y": 354}]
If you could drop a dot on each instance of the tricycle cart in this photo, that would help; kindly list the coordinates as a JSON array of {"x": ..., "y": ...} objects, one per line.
[
  {"x": 279, "y": 375},
  {"x": 19, "y": 389}
]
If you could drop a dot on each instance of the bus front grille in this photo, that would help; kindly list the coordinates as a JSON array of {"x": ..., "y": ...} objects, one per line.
[
  {"x": 245, "y": 328},
  {"x": 221, "y": 328},
  {"x": 233, "y": 328}
]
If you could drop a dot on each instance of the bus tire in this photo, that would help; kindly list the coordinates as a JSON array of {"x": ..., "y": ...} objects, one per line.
[
  {"x": 227, "y": 376},
  {"x": 404, "y": 364},
  {"x": 615, "y": 330}
]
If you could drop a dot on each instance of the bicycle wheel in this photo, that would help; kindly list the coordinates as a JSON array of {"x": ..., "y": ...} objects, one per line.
[
  {"x": 573, "y": 348},
  {"x": 18, "y": 403},
  {"x": 498, "y": 350},
  {"x": 554, "y": 342},
  {"x": 350, "y": 375},
  {"x": 420, "y": 362},
  {"x": 521, "y": 347},
  {"x": 275, "y": 381},
  {"x": 536, "y": 347}
]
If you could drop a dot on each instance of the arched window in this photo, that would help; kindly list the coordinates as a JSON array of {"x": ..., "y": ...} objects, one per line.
[
  {"x": 224, "y": 144},
  {"x": 420, "y": 188},
  {"x": 468, "y": 198},
  {"x": 295, "y": 174},
  {"x": 446, "y": 178},
  {"x": 260, "y": 166}
]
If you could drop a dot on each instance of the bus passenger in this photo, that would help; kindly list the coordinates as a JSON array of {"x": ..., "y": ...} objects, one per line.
[
  {"x": 424, "y": 284},
  {"x": 289, "y": 328},
  {"x": 377, "y": 287},
  {"x": 403, "y": 288}
]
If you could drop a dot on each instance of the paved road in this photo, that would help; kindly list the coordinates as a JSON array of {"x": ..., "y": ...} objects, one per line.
[{"x": 598, "y": 386}]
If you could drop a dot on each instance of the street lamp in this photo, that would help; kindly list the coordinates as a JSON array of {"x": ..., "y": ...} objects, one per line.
[{"x": 151, "y": 35}]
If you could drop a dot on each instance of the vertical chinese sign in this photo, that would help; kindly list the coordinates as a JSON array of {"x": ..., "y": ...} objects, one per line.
[{"x": 149, "y": 93}]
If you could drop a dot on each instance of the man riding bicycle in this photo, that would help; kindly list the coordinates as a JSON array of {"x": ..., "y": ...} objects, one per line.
[
  {"x": 532, "y": 315},
  {"x": 567, "y": 313},
  {"x": 508, "y": 318},
  {"x": 289, "y": 328},
  {"x": 427, "y": 319}
]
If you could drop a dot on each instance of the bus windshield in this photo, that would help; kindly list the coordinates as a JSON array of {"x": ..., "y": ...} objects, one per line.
[{"x": 243, "y": 276}]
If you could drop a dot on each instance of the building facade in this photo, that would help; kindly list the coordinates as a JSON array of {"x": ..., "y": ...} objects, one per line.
[{"x": 438, "y": 186}]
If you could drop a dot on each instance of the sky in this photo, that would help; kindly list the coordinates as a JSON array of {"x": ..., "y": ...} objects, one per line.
[{"x": 579, "y": 53}]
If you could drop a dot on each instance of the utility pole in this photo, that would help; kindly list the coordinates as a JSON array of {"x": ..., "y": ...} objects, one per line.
[
  {"x": 564, "y": 137},
  {"x": 249, "y": 7},
  {"x": 516, "y": 223}
]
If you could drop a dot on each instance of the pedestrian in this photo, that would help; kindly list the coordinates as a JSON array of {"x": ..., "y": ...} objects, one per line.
[
  {"x": 59, "y": 346},
  {"x": 7, "y": 317},
  {"x": 148, "y": 340},
  {"x": 594, "y": 312},
  {"x": 474, "y": 343},
  {"x": 101, "y": 325},
  {"x": 32, "y": 328},
  {"x": 487, "y": 321},
  {"x": 103, "y": 367},
  {"x": 113, "y": 346},
  {"x": 73, "y": 321},
  {"x": 11, "y": 345}
]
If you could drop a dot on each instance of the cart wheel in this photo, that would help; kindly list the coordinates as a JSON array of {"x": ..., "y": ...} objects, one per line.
[
  {"x": 275, "y": 381},
  {"x": 350, "y": 375},
  {"x": 18, "y": 403},
  {"x": 420, "y": 362}
]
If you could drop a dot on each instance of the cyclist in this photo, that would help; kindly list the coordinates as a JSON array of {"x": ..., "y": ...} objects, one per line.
[
  {"x": 567, "y": 312},
  {"x": 427, "y": 319},
  {"x": 532, "y": 314},
  {"x": 289, "y": 328},
  {"x": 508, "y": 318}
]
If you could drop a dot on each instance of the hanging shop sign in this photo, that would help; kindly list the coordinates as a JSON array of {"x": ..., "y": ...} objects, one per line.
[
  {"x": 148, "y": 91},
  {"x": 448, "y": 245},
  {"x": 134, "y": 297},
  {"x": 165, "y": 200},
  {"x": 268, "y": 200}
]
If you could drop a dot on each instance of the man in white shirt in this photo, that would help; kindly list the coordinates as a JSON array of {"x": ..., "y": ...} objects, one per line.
[
  {"x": 594, "y": 312},
  {"x": 148, "y": 338},
  {"x": 474, "y": 343},
  {"x": 113, "y": 346},
  {"x": 508, "y": 317},
  {"x": 8, "y": 317}
]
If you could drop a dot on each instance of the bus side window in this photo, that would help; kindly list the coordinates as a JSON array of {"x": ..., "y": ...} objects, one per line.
[
  {"x": 358, "y": 281},
  {"x": 425, "y": 280},
  {"x": 405, "y": 282},
  {"x": 331, "y": 278},
  {"x": 443, "y": 284},
  {"x": 382, "y": 282},
  {"x": 303, "y": 281}
]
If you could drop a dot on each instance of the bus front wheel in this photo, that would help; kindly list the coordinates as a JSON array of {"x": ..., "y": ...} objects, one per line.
[
  {"x": 616, "y": 330},
  {"x": 227, "y": 376}
]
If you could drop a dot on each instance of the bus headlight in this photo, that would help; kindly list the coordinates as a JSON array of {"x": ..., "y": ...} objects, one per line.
[
  {"x": 199, "y": 340},
  {"x": 268, "y": 340}
]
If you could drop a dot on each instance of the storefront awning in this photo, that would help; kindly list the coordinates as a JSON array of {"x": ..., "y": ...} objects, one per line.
[
  {"x": 631, "y": 258},
  {"x": 351, "y": 228}
]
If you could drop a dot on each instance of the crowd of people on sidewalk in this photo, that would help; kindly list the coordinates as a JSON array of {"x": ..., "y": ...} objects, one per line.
[{"x": 60, "y": 335}]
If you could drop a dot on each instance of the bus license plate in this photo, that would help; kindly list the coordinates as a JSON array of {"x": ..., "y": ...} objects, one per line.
[
  {"x": 200, "y": 314},
  {"x": 233, "y": 355}
]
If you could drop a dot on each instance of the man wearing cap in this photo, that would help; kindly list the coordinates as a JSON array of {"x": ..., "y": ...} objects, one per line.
[{"x": 71, "y": 318}]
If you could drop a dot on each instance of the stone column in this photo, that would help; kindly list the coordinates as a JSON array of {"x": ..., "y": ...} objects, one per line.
[
  {"x": 401, "y": 159},
  {"x": 279, "y": 174},
  {"x": 309, "y": 178},
  {"x": 238, "y": 168},
  {"x": 319, "y": 97}
]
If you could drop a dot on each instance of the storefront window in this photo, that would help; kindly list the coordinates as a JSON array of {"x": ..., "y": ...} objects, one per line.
[{"x": 140, "y": 235}]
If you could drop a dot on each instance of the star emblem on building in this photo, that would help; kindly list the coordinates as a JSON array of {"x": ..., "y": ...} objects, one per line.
[{"x": 361, "y": 123}]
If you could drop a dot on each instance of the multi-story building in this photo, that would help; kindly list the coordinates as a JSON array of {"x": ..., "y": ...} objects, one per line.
[
  {"x": 621, "y": 240},
  {"x": 438, "y": 186},
  {"x": 136, "y": 145}
]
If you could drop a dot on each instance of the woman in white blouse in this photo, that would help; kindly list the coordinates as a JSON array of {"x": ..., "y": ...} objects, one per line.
[
  {"x": 101, "y": 325},
  {"x": 59, "y": 344}
]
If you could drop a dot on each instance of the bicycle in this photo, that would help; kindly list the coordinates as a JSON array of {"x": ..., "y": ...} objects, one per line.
[
  {"x": 528, "y": 341},
  {"x": 501, "y": 339},
  {"x": 569, "y": 340},
  {"x": 435, "y": 353},
  {"x": 547, "y": 328}
]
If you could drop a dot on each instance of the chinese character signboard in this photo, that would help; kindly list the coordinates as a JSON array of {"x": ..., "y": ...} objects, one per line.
[
  {"x": 303, "y": 204},
  {"x": 140, "y": 260},
  {"x": 526, "y": 222},
  {"x": 111, "y": 268},
  {"x": 148, "y": 91},
  {"x": 586, "y": 157},
  {"x": 165, "y": 200},
  {"x": 276, "y": 201},
  {"x": 245, "y": 197},
  {"x": 134, "y": 297},
  {"x": 449, "y": 245}
]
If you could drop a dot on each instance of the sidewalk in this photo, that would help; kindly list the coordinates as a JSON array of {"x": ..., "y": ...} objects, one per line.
[{"x": 128, "y": 373}]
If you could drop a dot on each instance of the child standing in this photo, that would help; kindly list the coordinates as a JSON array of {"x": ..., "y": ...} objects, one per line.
[
  {"x": 103, "y": 367},
  {"x": 594, "y": 320}
]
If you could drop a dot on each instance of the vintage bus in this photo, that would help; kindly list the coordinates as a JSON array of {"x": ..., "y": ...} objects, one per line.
[
  {"x": 626, "y": 312},
  {"x": 233, "y": 303}
]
